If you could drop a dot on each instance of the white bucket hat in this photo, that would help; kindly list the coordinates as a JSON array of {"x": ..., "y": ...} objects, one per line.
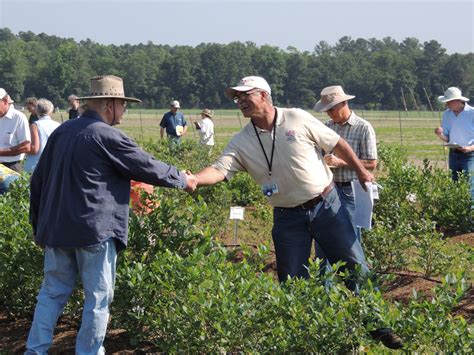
[
  {"x": 248, "y": 83},
  {"x": 451, "y": 94},
  {"x": 175, "y": 104},
  {"x": 4, "y": 94},
  {"x": 107, "y": 86},
  {"x": 330, "y": 97}
]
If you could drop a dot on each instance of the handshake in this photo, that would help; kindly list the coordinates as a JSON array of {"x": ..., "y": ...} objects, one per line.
[{"x": 191, "y": 181}]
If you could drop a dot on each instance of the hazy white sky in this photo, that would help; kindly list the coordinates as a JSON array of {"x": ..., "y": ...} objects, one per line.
[{"x": 301, "y": 24}]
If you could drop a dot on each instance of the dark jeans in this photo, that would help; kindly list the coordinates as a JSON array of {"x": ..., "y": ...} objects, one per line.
[
  {"x": 346, "y": 194},
  {"x": 328, "y": 225}
]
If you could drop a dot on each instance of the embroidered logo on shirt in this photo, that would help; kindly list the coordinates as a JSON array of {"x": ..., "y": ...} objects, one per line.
[{"x": 290, "y": 135}]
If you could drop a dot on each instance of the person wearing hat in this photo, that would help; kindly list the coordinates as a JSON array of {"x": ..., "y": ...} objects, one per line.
[
  {"x": 206, "y": 128},
  {"x": 79, "y": 209},
  {"x": 357, "y": 132},
  {"x": 457, "y": 129},
  {"x": 15, "y": 136},
  {"x": 174, "y": 123},
  {"x": 281, "y": 149}
]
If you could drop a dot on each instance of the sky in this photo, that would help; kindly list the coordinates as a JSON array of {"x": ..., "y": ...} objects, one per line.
[{"x": 301, "y": 23}]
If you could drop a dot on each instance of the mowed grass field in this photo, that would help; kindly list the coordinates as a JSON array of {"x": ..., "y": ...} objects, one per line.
[{"x": 413, "y": 130}]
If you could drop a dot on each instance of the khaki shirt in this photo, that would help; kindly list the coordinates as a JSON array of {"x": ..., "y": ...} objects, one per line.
[{"x": 298, "y": 169}]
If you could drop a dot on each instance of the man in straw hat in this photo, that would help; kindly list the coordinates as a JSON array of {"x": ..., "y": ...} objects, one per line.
[
  {"x": 206, "y": 128},
  {"x": 79, "y": 206},
  {"x": 357, "y": 132},
  {"x": 457, "y": 129},
  {"x": 281, "y": 149},
  {"x": 15, "y": 134}
]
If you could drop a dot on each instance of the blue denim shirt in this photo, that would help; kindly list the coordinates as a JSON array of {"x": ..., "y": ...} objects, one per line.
[
  {"x": 170, "y": 121},
  {"x": 80, "y": 189}
]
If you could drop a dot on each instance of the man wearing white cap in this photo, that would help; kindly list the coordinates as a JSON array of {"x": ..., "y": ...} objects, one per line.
[
  {"x": 457, "y": 129},
  {"x": 357, "y": 132},
  {"x": 15, "y": 137},
  {"x": 281, "y": 149},
  {"x": 79, "y": 208},
  {"x": 174, "y": 123}
]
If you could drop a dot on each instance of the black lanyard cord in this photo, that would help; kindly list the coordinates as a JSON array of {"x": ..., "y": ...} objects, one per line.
[{"x": 269, "y": 163}]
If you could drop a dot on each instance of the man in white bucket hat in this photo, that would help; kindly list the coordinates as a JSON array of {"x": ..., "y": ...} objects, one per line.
[
  {"x": 79, "y": 208},
  {"x": 357, "y": 132},
  {"x": 281, "y": 149},
  {"x": 457, "y": 129}
]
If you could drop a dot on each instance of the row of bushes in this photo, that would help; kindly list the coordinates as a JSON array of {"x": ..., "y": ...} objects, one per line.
[{"x": 179, "y": 289}]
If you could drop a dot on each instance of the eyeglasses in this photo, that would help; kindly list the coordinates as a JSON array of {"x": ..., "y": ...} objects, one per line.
[
  {"x": 124, "y": 104},
  {"x": 243, "y": 96}
]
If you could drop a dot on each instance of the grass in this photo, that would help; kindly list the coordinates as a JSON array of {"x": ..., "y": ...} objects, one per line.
[{"x": 412, "y": 130}]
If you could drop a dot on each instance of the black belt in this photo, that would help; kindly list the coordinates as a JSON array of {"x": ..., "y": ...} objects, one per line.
[
  {"x": 310, "y": 203},
  {"x": 343, "y": 183}
]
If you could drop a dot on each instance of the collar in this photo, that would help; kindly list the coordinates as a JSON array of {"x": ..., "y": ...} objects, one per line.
[
  {"x": 92, "y": 114},
  {"x": 9, "y": 113},
  {"x": 279, "y": 121}
]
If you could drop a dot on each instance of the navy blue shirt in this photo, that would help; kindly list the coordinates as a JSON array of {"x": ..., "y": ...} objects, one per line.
[
  {"x": 80, "y": 189},
  {"x": 170, "y": 121}
]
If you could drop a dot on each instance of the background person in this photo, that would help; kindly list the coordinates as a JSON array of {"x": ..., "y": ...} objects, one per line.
[
  {"x": 40, "y": 132},
  {"x": 174, "y": 123},
  {"x": 30, "y": 104},
  {"x": 357, "y": 132},
  {"x": 281, "y": 149},
  {"x": 457, "y": 128},
  {"x": 15, "y": 134},
  {"x": 206, "y": 128},
  {"x": 74, "y": 103},
  {"x": 79, "y": 209}
]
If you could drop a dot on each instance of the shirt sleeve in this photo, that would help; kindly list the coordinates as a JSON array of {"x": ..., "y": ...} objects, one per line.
[
  {"x": 368, "y": 144},
  {"x": 22, "y": 131},
  {"x": 136, "y": 164},
  {"x": 163, "y": 121},
  {"x": 229, "y": 163}
]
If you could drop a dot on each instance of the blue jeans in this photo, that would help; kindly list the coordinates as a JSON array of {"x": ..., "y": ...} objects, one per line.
[
  {"x": 460, "y": 162},
  {"x": 328, "y": 224},
  {"x": 96, "y": 267},
  {"x": 346, "y": 194}
]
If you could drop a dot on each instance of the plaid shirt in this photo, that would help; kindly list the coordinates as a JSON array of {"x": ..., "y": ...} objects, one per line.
[{"x": 361, "y": 137}]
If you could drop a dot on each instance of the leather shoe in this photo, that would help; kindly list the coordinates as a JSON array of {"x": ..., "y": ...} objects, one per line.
[{"x": 387, "y": 337}]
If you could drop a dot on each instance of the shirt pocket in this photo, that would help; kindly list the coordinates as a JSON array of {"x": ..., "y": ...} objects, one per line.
[{"x": 6, "y": 139}]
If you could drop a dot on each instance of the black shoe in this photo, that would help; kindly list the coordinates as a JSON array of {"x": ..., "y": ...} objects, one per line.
[{"x": 387, "y": 337}]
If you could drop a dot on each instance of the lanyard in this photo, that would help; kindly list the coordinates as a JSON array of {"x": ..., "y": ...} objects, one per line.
[{"x": 269, "y": 162}]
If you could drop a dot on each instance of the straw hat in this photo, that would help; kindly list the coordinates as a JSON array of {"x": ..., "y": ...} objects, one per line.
[
  {"x": 330, "y": 97},
  {"x": 107, "y": 86},
  {"x": 451, "y": 94},
  {"x": 207, "y": 112}
]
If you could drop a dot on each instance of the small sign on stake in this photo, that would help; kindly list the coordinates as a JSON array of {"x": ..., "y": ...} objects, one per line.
[{"x": 236, "y": 213}]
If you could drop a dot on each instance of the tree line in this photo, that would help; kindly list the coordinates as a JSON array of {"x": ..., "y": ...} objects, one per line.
[{"x": 382, "y": 73}]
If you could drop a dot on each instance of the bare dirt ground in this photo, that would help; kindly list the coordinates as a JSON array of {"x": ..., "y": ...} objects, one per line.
[{"x": 13, "y": 332}]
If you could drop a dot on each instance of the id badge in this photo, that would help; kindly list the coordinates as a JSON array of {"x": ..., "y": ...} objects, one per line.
[{"x": 269, "y": 189}]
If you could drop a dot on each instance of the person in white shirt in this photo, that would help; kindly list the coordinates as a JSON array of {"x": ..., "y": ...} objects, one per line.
[
  {"x": 457, "y": 129},
  {"x": 206, "y": 128},
  {"x": 15, "y": 136},
  {"x": 40, "y": 132}
]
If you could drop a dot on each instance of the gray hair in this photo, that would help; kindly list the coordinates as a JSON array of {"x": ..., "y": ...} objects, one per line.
[
  {"x": 72, "y": 98},
  {"x": 44, "y": 107}
]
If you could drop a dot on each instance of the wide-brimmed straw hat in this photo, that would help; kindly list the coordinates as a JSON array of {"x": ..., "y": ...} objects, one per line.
[
  {"x": 107, "y": 87},
  {"x": 451, "y": 94},
  {"x": 330, "y": 97},
  {"x": 207, "y": 112},
  {"x": 248, "y": 83}
]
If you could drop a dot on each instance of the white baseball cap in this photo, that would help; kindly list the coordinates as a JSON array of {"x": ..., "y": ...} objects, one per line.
[
  {"x": 248, "y": 83},
  {"x": 3, "y": 93},
  {"x": 175, "y": 104},
  {"x": 451, "y": 94}
]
